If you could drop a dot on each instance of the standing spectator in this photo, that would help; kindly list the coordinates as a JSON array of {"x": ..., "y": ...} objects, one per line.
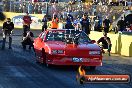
[
  {"x": 55, "y": 21},
  {"x": 106, "y": 24},
  {"x": 99, "y": 26},
  {"x": 93, "y": 10},
  {"x": 26, "y": 22},
  {"x": 54, "y": 8},
  {"x": 71, "y": 17},
  {"x": 24, "y": 8},
  {"x": 8, "y": 27},
  {"x": 30, "y": 8},
  {"x": 1, "y": 9},
  {"x": 36, "y": 8},
  {"x": 4, "y": 5},
  {"x": 20, "y": 8},
  {"x": 43, "y": 9},
  {"x": 61, "y": 24},
  {"x": 85, "y": 24},
  {"x": 121, "y": 24},
  {"x": 44, "y": 20},
  {"x": 69, "y": 21},
  {"x": 76, "y": 21},
  {"x": 39, "y": 8},
  {"x": 60, "y": 16}
]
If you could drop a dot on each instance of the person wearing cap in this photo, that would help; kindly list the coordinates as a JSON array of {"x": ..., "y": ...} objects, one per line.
[
  {"x": 8, "y": 27},
  {"x": 26, "y": 22},
  {"x": 106, "y": 43},
  {"x": 28, "y": 40}
]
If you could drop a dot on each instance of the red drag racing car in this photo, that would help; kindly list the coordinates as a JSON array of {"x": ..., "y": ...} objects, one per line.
[{"x": 67, "y": 47}]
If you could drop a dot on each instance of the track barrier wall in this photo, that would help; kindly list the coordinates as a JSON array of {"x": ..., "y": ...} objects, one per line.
[{"x": 121, "y": 44}]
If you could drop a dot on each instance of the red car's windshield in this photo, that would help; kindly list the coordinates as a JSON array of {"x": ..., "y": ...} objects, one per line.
[{"x": 67, "y": 35}]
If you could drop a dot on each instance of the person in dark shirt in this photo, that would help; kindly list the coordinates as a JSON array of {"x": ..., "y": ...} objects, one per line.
[
  {"x": 106, "y": 43},
  {"x": 121, "y": 24},
  {"x": 106, "y": 24},
  {"x": 85, "y": 24},
  {"x": 28, "y": 40},
  {"x": 69, "y": 21},
  {"x": 44, "y": 20},
  {"x": 8, "y": 27},
  {"x": 26, "y": 22},
  {"x": 99, "y": 26}
]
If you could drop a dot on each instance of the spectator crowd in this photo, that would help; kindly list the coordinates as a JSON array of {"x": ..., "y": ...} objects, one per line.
[{"x": 72, "y": 12}]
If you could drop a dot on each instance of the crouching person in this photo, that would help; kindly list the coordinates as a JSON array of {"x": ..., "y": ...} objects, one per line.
[
  {"x": 106, "y": 43},
  {"x": 28, "y": 40},
  {"x": 8, "y": 27}
]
